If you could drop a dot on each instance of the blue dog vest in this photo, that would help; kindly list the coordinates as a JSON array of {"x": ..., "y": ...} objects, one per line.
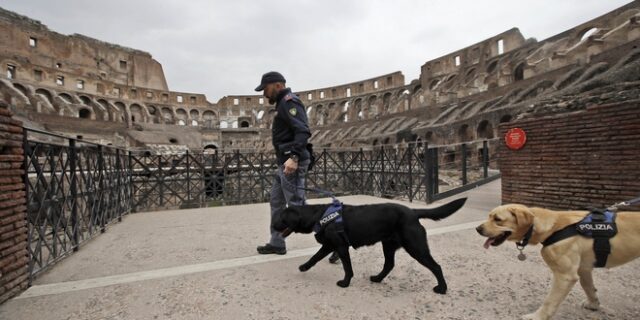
[
  {"x": 332, "y": 214},
  {"x": 599, "y": 225}
]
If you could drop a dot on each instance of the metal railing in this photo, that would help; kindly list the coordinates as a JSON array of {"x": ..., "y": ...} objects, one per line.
[{"x": 75, "y": 188}]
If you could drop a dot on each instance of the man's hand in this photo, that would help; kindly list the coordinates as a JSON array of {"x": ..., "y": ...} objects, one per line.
[{"x": 290, "y": 166}]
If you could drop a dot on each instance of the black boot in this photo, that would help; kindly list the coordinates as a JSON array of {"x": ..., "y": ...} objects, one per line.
[{"x": 269, "y": 249}]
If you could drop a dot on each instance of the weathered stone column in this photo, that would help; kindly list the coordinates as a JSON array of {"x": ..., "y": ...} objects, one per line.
[{"x": 14, "y": 258}]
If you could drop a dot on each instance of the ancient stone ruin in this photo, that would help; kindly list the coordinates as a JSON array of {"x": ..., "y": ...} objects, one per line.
[{"x": 101, "y": 92}]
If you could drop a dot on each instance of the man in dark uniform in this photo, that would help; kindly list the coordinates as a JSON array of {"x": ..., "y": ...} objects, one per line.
[{"x": 290, "y": 133}]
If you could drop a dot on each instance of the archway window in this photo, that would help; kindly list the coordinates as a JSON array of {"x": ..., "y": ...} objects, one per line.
[
  {"x": 588, "y": 33},
  {"x": 84, "y": 114},
  {"x": 11, "y": 71},
  {"x": 244, "y": 124},
  {"x": 518, "y": 73}
]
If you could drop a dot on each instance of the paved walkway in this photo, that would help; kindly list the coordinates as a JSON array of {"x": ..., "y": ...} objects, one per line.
[{"x": 201, "y": 264}]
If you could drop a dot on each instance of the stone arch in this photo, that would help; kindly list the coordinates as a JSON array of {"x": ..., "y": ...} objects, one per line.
[
  {"x": 46, "y": 93},
  {"x": 167, "y": 115},
  {"x": 518, "y": 72},
  {"x": 372, "y": 107},
  {"x": 356, "y": 111},
  {"x": 484, "y": 130},
  {"x": 110, "y": 111},
  {"x": 154, "y": 114},
  {"x": 586, "y": 33},
  {"x": 212, "y": 147},
  {"x": 21, "y": 88},
  {"x": 464, "y": 133},
  {"x": 122, "y": 114},
  {"x": 492, "y": 66},
  {"x": 244, "y": 124},
  {"x": 85, "y": 113},
  {"x": 194, "y": 117},
  {"x": 429, "y": 137},
  {"x": 181, "y": 117},
  {"x": 316, "y": 116},
  {"x": 137, "y": 113},
  {"x": 417, "y": 88},
  {"x": 386, "y": 103},
  {"x": 66, "y": 97},
  {"x": 210, "y": 119},
  {"x": 343, "y": 113},
  {"x": 85, "y": 100},
  {"x": 434, "y": 84},
  {"x": 506, "y": 118},
  {"x": 310, "y": 114}
]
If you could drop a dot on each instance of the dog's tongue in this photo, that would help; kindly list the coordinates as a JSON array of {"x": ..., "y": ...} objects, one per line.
[{"x": 488, "y": 243}]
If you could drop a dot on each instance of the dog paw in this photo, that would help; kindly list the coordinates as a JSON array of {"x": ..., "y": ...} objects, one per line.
[
  {"x": 440, "y": 289},
  {"x": 343, "y": 283},
  {"x": 591, "y": 305},
  {"x": 531, "y": 316},
  {"x": 376, "y": 278},
  {"x": 304, "y": 267}
]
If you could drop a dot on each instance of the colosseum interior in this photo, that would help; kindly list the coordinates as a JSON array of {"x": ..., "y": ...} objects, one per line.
[{"x": 102, "y": 92}]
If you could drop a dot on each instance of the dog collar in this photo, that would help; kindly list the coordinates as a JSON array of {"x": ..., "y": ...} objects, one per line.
[{"x": 523, "y": 243}]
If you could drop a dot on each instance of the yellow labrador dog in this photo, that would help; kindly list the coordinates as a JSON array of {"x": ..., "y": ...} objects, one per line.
[{"x": 570, "y": 259}]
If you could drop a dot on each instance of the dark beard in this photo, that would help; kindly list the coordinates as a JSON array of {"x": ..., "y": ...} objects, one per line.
[{"x": 272, "y": 101}]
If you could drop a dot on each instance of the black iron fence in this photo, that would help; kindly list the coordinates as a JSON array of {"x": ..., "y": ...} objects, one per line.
[{"x": 75, "y": 188}]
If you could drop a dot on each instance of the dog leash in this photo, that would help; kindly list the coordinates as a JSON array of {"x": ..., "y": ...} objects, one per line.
[
  {"x": 319, "y": 191},
  {"x": 624, "y": 204}
]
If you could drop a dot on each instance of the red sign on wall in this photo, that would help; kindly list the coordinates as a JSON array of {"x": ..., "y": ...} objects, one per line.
[{"x": 515, "y": 138}]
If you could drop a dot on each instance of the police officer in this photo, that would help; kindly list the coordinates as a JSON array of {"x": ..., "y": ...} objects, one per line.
[{"x": 290, "y": 134}]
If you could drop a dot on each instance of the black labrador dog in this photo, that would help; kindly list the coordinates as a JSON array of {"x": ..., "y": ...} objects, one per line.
[{"x": 393, "y": 224}]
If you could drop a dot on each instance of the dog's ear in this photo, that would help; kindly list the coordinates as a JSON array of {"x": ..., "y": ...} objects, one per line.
[{"x": 521, "y": 214}]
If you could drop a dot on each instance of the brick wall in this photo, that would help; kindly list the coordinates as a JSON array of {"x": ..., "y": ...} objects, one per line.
[
  {"x": 13, "y": 223},
  {"x": 573, "y": 160}
]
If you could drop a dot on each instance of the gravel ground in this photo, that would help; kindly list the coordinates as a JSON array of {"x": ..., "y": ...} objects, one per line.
[{"x": 483, "y": 284}]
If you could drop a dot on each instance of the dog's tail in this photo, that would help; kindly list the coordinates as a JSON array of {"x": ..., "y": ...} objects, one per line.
[{"x": 441, "y": 212}]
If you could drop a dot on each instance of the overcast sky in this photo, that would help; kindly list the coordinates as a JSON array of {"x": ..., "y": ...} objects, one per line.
[{"x": 222, "y": 48}]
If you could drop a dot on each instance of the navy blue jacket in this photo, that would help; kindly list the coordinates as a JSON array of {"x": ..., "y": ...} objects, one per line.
[{"x": 290, "y": 130}]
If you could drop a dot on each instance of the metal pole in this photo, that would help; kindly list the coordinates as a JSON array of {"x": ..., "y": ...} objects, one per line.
[
  {"x": 382, "y": 177},
  {"x": 160, "y": 178},
  {"x": 464, "y": 163},
  {"x": 74, "y": 193},
  {"x": 362, "y": 179},
  {"x": 188, "y": 179},
  {"x": 118, "y": 173},
  {"x": 409, "y": 156},
  {"x": 101, "y": 190},
  {"x": 428, "y": 173},
  {"x": 326, "y": 158},
  {"x": 131, "y": 200},
  {"x": 436, "y": 168},
  {"x": 485, "y": 159}
]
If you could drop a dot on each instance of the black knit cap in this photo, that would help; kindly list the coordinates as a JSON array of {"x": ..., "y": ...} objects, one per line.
[{"x": 270, "y": 77}]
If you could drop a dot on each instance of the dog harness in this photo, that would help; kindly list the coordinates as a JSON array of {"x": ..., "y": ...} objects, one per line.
[
  {"x": 599, "y": 225},
  {"x": 332, "y": 215}
]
